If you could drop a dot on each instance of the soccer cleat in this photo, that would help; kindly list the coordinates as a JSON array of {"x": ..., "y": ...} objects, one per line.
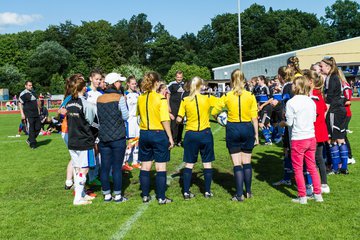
[
  {"x": 146, "y": 199},
  {"x": 81, "y": 202},
  {"x": 126, "y": 167},
  {"x": 249, "y": 195},
  {"x": 119, "y": 199},
  {"x": 89, "y": 198},
  {"x": 325, "y": 188},
  {"x": 343, "y": 171},
  {"x": 309, "y": 190},
  {"x": 333, "y": 172},
  {"x": 351, "y": 161},
  {"x": 318, "y": 198},
  {"x": 136, "y": 165},
  {"x": 237, "y": 198},
  {"x": 107, "y": 198},
  {"x": 188, "y": 195},
  {"x": 165, "y": 201},
  {"x": 301, "y": 200},
  {"x": 282, "y": 182},
  {"x": 208, "y": 194},
  {"x": 269, "y": 143}
]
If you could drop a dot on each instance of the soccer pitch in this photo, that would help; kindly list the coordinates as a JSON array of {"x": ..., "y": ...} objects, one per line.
[{"x": 34, "y": 204}]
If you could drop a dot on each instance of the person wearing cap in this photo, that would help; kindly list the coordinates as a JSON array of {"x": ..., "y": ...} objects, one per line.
[
  {"x": 112, "y": 113},
  {"x": 155, "y": 137}
]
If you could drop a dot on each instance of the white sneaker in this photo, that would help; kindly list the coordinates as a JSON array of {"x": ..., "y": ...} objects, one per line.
[
  {"x": 309, "y": 190},
  {"x": 318, "y": 198},
  {"x": 325, "y": 188},
  {"x": 351, "y": 161},
  {"x": 88, "y": 198},
  {"x": 82, "y": 201},
  {"x": 301, "y": 200}
]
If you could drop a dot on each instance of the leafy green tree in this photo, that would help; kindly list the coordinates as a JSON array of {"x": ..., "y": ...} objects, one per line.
[
  {"x": 12, "y": 79},
  {"x": 57, "y": 84},
  {"x": 49, "y": 58},
  {"x": 127, "y": 70},
  {"x": 344, "y": 18},
  {"x": 189, "y": 71}
]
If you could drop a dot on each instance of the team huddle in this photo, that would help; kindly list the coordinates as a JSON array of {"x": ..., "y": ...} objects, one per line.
[{"x": 106, "y": 128}]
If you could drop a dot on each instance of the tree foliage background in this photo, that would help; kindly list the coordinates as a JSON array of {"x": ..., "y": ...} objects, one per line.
[{"x": 48, "y": 57}]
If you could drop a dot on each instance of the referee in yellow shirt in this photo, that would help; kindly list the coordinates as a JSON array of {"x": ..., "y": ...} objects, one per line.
[
  {"x": 198, "y": 136},
  {"x": 155, "y": 139},
  {"x": 241, "y": 131}
]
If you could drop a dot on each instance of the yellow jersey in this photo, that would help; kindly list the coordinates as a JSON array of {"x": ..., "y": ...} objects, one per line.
[
  {"x": 240, "y": 108},
  {"x": 153, "y": 109},
  {"x": 197, "y": 111}
]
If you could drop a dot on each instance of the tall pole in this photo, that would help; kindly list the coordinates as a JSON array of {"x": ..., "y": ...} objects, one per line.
[{"x": 239, "y": 26}]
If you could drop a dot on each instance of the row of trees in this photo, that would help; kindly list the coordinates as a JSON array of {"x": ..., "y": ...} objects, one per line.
[{"x": 135, "y": 45}]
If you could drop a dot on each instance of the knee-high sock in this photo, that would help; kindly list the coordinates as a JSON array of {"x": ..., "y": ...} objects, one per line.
[
  {"x": 135, "y": 155},
  {"x": 161, "y": 184},
  {"x": 335, "y": 156},
  {"x": 145, "y": 182},
  {"x": 239, "y": 180},
  {"x": 247, "y": 168},
  {"x": 208, "y": 173},
  {"x": 80, "y": 180},
  {"x": 187, "y": 174},
  {"x": 344, "y": 155}
]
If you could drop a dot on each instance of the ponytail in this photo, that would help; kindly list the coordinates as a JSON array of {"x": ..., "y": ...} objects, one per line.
[{"x": 237, "y": 82}]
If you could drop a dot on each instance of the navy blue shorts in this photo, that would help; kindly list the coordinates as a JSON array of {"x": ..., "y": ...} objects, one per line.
[
  {"x": 240, "y": 137},
  {"x": 265, "y": 114},
  {"x": 195, "y": 142},
  {"x": 154, "y": 145}
]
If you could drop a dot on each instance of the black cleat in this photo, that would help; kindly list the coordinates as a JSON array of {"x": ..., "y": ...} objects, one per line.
[
  {"x": 343, "y": 171},
  {"x": 236, "y": 198},
  {"x": 188, "y": 195},
  {"x": 208, "y": 194},
  {"x": 165, "y": 201},
  {"x": 146, "y": 199}
]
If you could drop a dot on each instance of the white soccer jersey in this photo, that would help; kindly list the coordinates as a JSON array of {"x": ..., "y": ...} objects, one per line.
[{"x": 132, "y": 126}]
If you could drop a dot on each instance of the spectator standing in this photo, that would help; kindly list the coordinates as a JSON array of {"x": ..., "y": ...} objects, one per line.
[
  {"x": 30, "y": 111},
  {"x": 176, "y": 88}
]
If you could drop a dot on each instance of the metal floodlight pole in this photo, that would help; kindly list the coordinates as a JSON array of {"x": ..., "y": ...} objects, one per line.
[{"x": 239, "y": 26}]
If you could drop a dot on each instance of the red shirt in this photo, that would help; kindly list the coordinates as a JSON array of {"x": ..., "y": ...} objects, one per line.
[
  {"x": 321, "y": 131},
  {"x": 347, "y": 94}
]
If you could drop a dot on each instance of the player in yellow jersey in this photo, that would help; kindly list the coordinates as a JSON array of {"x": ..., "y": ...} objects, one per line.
[
  {"x": 155, "y": 137},
  {"x": 241, "y": 131},
  {"x": 198, "y": 136}
]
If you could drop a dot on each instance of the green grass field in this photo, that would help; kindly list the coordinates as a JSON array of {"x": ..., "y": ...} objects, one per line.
[{"x": 34, "y": 205}]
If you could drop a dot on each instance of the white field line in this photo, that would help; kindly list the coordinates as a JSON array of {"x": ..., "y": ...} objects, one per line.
[{"x": 125, "y": 228}]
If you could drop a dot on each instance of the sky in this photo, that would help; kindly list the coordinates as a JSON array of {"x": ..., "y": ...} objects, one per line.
[{"x": 178, "y": 17}]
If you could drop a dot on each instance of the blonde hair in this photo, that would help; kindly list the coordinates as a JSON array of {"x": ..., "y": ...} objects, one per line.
[
  {"x": 301, "y": 86},
  {"x": 149, "y": 81},
  {"x": 342, "y": 76},
  {"x": 237, "y": 82},
  {"x": 195, "y": 86},
  {"x": 316, "y": 78},
  {"x": 289, "y": 74},
  {"x": 294, "y": 63},
  {"x": 78, "y": 85}
]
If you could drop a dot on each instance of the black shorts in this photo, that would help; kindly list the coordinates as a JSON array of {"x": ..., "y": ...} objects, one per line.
[
  {"x": 240, "y": 137},
  {"x": 154, "y": 145},
  {"x": 277, "y": 114},
  {"x": 335, "y": 121},
  {"x": 195, "y": 142},
  {"x": 265, "y": 114}
]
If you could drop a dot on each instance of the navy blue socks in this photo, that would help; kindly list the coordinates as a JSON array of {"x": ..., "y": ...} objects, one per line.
[
  {"x": 247, "y": 168},
  {"x": 208, "y": 173},
  {"x": 187, "y": 174},
  {"x": 239, "y": 180},
  {"x": 145, "y": 182},
  {"x": 335, "y": 156},
  {"x": 344, "y": 155},
  {"x": 161, "y": 184}
]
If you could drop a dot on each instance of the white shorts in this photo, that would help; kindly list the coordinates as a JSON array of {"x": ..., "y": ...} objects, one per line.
[
  {"x": 132, "y": 127},
  {"x": 83, "y": 159}
]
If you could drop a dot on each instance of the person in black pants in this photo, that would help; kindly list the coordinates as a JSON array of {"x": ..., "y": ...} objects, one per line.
[
  {"x": 30, "y": 111},
  {"x": 176, "y": 89}
]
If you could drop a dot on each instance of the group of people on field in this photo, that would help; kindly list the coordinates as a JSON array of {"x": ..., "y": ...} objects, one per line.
[{"x": 106, "y": 126}]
